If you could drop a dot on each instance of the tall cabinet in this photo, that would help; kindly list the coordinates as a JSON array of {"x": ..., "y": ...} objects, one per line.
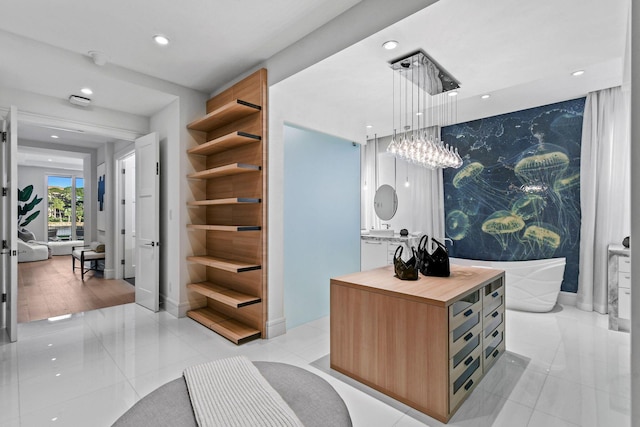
[{"x": 234, "y": 170}]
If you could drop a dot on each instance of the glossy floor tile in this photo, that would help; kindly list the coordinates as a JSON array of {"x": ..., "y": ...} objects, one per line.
[{"x": 561, "y": 369}]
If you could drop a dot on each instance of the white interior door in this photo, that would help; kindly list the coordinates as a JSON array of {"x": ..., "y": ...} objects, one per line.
[
  {"x": 148, "y": 221},
  {"x": 9, "y": 228},
  {"x": 129, "y": 214}
]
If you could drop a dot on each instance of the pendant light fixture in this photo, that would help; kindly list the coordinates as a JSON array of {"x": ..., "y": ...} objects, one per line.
[{"x": 429, "y": 94}]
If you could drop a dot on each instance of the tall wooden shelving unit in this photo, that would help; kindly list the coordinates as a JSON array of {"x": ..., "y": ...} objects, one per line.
[{"x": 236, "y": 211}]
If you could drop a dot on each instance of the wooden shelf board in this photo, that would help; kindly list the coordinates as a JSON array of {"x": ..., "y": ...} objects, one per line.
[
  {"x": 223, "y": 227},
  {"x": 229, "y": 201},
  {"x": 223, "y": 115},
  {"x": 231, "y": 329},
  {"x": 226, "y": 170},
  {"x": 226, "y": 142},
  {"x": 223, "y": 264},
  {"x": 223, "y": 295},
  {"x": 206, "y": 316}
]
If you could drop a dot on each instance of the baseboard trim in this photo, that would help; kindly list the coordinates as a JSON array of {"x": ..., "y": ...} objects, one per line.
[
  {"x": 276, "y": 327},
  {"x": 567, "y": 298},
  {"x": 109, "y": 273},
  {"x": 174, "y": 308}
]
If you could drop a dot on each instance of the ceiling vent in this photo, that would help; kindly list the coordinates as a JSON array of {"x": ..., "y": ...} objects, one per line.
[{"x": 79, "y": 100}]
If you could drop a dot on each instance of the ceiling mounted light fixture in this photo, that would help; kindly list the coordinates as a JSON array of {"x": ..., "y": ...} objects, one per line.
[
  {"x": 424, "y": 89},
  {"x": 55, "y": 136},
  {"x": 161, "y": 40},
  {"x": 485, "y": 96},
  {"x": 390, "y": 44},
  {"x": 577, "y": 73},
  {"x": 80, "y": 101},
  {"x": 86, "y": 91}
]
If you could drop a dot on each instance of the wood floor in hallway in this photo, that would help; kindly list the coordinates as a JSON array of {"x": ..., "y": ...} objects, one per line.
[{"x": 51, "y": 288}]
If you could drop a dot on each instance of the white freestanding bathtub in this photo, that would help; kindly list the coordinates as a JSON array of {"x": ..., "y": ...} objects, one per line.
[{"x": 530, "y": 285}]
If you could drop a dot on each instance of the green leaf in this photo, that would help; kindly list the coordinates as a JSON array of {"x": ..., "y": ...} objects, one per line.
[
  {"x": 25, "y": 194},
  {"x": 30, "y": 218}
]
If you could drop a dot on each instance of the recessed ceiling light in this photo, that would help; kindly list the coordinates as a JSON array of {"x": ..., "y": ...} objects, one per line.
[
  {"x": 390, "y": 45},
  {"x": 86, "y": 91},
  {"x": 55, "y": 136},
  {"x": 453, "y": 93},
  {"x": 49, "y": 160},
  {"x": 161, "y": 40},
  {"x": 577, "y": 73},
  {"x": 369, "y": 126},
  {"x": 486, "y": 96}
]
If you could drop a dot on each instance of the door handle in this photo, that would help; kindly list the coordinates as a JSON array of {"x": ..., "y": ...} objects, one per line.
[{"x": 150, "y": 244}]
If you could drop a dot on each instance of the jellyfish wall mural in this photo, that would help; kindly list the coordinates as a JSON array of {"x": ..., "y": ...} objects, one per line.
[{"x": 517, "y": 195}]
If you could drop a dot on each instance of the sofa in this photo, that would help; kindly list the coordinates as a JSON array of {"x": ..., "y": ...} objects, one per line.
[{"x": 32, "y": 251}]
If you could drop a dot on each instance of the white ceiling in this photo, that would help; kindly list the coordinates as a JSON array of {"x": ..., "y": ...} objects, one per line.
[{"x": 521, "y": 52}]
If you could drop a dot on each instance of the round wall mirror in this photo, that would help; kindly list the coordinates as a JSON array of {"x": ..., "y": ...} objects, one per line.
[{"x": 385, "y": 202}]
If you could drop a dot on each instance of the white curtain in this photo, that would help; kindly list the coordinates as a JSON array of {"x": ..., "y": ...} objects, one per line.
[{"x": 604, "y": 191}]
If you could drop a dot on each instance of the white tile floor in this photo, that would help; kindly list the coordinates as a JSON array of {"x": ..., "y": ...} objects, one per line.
[{"x": 563, "y": 368}]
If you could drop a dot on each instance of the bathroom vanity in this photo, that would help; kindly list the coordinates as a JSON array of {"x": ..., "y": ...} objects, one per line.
[
  {"x": 377, "y": 251},
  {"x": 426, "y": 343},
  {"x": 619, "y": 281}
]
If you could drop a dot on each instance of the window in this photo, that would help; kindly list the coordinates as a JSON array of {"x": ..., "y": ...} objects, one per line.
[{"x": 65, "y": 196}]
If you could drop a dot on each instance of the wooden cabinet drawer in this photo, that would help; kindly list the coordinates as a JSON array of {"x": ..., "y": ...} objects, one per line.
[
  {"x": 492, "y": 321},
  {"x": 492, "y": 300},
  {"x": 624, "y": 280},
  {"x": 461, "y": 310},
  {"x": 624, "y": 264},
  {"x": 461, "y": 385},
  {"x": 493, "y": 346},
  {"x": 459, "y": 337},
  {"x": 458, "y": 364},
  {"x": 624, "y": 303}
]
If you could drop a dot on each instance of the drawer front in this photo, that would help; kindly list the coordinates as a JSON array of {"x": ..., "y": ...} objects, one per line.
[
  {"x": 461, "y": 310},
  {"x": 492, "y": 321},
  {"x": 462, "y": 385},
  {"x": 624, "y": 303},
  {"x": 624, "y": 264},
  {"x": 493, "y": 346},
  {"x": 457, "y": 340},
  {"x": 624, "y": 280},
  {"x": 492, "y": 301},
  {"x": 464, "y": 358},
  {"x": 490, "y": 289}
]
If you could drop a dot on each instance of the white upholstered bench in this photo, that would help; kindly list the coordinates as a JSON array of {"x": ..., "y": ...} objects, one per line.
[{"x": 86, "y": 254}]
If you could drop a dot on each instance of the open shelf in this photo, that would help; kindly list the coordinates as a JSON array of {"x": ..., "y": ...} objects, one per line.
[
  {"x": 223, "y": 227},
  {"x": 226, "y": 170},
  {"x": 228, "y": 113},
  {"x": 224, "y": 264},
  {"x": 227, "y": 327},
  {"x": 226, "y": 142},
  {"x": 229, "y": 201},
  {"x": 223, "y": 295}
]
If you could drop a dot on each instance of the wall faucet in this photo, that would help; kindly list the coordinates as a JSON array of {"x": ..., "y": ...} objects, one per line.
[{"x": 387, "y": 225}]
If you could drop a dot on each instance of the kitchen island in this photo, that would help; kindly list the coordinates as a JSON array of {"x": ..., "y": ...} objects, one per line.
[{"x": 426, "y": 343}]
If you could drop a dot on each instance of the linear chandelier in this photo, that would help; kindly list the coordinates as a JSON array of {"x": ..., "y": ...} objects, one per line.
[{"x": 429, "y": 95}]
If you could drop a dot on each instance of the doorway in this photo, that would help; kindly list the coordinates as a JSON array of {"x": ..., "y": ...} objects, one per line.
[{"x": 126, "y": 221}]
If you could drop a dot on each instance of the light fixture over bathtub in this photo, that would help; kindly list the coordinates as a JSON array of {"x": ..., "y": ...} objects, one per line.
[{"x": 427, "y": 93}]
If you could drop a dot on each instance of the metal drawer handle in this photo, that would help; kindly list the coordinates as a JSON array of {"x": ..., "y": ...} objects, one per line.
[
  {"x": 468, "y": 313},
  {"x": 495, "y": 294},
  {"x": 494, "y": 334},
  {"x": 495, "y": 314},
  {"x": 468, "y": 361},
  {"x": 468, "y": 385},
  {"x": 495, "y": 353},
  {"x": 627, "y": 277},
  {"x": 468, "y": 336}
]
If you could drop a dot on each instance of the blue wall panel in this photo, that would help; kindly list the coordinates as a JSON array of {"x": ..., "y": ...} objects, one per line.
[{"x": 321, "y": 219}]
